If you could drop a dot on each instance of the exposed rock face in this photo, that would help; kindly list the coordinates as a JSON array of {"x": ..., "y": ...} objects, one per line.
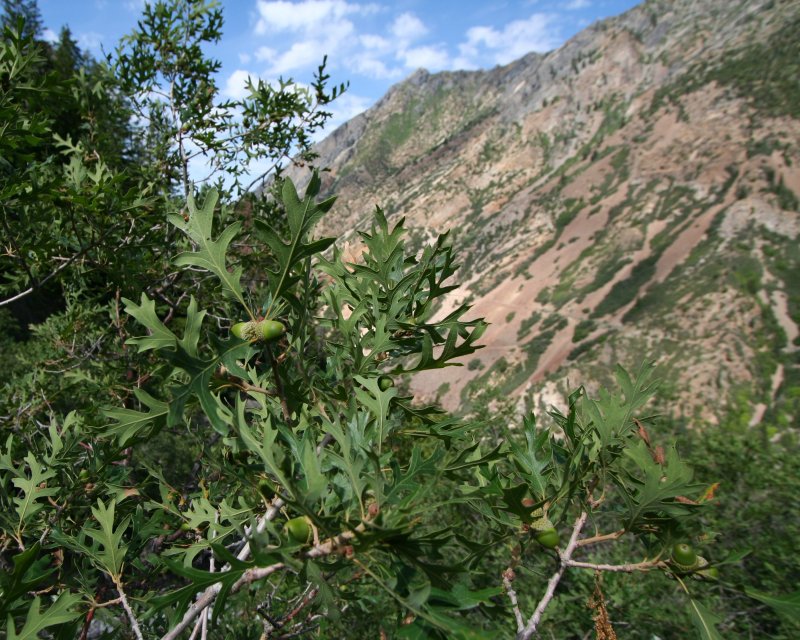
[{"x": 630, "y": 196}]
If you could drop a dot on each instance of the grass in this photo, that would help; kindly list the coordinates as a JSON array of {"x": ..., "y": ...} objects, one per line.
[
  {"x": 787, "y": 200},
  {"x": 583, "y": 329},
  {"x": 619, "y": 164},
  {"x": 572, "y": 207},
  {"x": 586, "y": 347},
  {"x": 605, "y": 273},
  {"x": 624, "y": 291},
  {"x": 527, "y": 323}
]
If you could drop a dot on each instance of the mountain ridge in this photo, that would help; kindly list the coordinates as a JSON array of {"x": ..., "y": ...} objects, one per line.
[{"x": 647, "y": 160}]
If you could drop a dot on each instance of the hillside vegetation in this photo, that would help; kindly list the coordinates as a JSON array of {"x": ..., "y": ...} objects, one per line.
[
  {"x": 632, "y": 195},
  {"x": 220, "y": 420}
]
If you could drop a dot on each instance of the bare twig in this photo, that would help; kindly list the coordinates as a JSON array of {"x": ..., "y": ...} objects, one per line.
[
  {"x": 328, "y": 547},
  {"x": 39, "y": 283},
  {"x": 87, "y": 622},
  {"x": 204, "y": 626},
  {"x": 109, "y": 603},
  {"x": 272, "y": 625},
  {"x": 600, "y": 538},
  {"x": 197, "y": 628},
  {"x": 246, "y": 386},
  {"x": 124, "y": 599},
  {"x": 274, "y": 509},
  {"x": 211, "y": 568},
  {"x": 508, "y": 576},
  {"x": 210, "y": 594},
  {"x": 310, "y": 595},
  {"x": 22, "y": 294},
  {"x": 645, "y": 565},
  {"x": 565, "y": 556}
]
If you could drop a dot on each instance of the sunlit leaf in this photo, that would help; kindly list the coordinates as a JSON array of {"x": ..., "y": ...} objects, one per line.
[{"x": 210, "y": 254}]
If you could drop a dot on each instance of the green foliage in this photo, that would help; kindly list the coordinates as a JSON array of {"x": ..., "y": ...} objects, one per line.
[
  {"x": 583, "y": 329},
  {"x": 163, "y": 67},
  {"x": 60, "y": 612},
  {"x": 573, "y": 207},
  {"x": 787, "y": 199},
  {"x": 624, "y": 291},
  {"x": 330, "y": 444},
  {"x": 747, "y": 465},
  {"x": 526, "y": 325},
  {"x": 766, "y": 73},
  {"x": 24, "y": 13},
  {"x": 156, "y": 465}
]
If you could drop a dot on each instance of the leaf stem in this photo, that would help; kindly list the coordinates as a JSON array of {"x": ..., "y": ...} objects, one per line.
[{"x": 279, "y": 384}]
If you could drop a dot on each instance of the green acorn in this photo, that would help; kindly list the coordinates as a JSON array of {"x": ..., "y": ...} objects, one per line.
[
  {"x": 548, "y": 538},
  {"x": 258, "y": 331},
  {"x": 710, "y": 573},
  {"x": 299, "y": 529},
  {"x": 543, "y": 530},
  {"x": 685, "y": 559}
]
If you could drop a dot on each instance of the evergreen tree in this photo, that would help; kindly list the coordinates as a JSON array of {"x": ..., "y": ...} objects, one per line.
[
  {"x": 67, "y": 55},
  {"x": 25, "y": 10}
]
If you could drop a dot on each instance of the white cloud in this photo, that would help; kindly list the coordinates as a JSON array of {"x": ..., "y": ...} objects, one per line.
[
  {"x": 407, "y": 28},
  {"x": 90, "y": 40},
  {"x": 50, "y": 36},
  {"x": 371, "y": 57},
  {"x": 306, "y": 15},
  {"x": 374, "y": 68},
  {"x": 577, "y": 4},
  {"x": 428, "y": 57},
  {"x": 235, "y": 85},
  {"x": 292, "y": 37},
  {"x": 317, "y": 28},
  {"x": 376, "y": 44},
  {"x": 483, "y": 44},
  {"x": 299, "y": 55},
  {"x": 309, "y": 52},
  {"x": 266, "y": 54}
]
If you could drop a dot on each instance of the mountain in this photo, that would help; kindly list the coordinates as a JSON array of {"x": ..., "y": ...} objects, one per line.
[{"x": 631, "y": 196}]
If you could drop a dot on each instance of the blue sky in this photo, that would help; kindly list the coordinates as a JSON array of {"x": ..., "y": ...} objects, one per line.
[{"x": 371, "y": 43}]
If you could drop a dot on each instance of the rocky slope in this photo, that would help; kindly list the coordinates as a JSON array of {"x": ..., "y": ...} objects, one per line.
[{"x": 630, "y": 196}]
